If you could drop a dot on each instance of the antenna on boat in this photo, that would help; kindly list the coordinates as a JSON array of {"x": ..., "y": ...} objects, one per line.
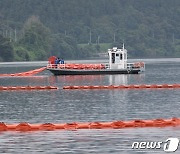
[{"x": 123, "y": 45}]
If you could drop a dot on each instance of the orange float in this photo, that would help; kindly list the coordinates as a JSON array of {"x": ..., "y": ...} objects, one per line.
[
  {"x": 28, "y": 88},
  {"x": 23, "y": 127},
  {"x": 153, "y": 86}
]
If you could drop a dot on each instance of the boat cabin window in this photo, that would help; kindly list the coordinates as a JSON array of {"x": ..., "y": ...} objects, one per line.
[
  {"x": 113, "y": 57},
  {"x": 120, "y": 56},
  {"x": 117, "y": 55}
]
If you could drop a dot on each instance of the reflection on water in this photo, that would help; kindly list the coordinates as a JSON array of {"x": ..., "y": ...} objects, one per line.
[
  {"x": 121, "y": 79},
  {"x": 88, "y": 105},
  {"x": 77, "y": 79},
  {"x": 118, "y": 79}
]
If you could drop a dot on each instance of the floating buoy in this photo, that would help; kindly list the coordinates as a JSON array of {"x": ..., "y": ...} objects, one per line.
[
  {"x": 28, "y": 88},
  {"x": 153, "y": 86},
  {"x": 29, "y": 73},
  {"x": 23, "y": 127}
]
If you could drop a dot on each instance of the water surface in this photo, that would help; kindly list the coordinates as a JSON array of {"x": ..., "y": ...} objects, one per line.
[{"x": 57, "y": 106}]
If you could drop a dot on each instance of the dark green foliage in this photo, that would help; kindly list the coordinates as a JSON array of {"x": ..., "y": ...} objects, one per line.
[
  {"x": 36, "y": 39},
  {"x": 21, "y": 54},
  {"x": 64, "y": 47},
  {"x": 149, "y": 28},
  {"x": 6, "y": 49}
]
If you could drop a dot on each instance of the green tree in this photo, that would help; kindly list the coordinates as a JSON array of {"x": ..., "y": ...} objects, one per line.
[
  {"x": 64, "y": 46},
  {"x": 36, "y": 39},
  {"x": 6, "y": 49},
  {"x": 144, "y": 25}
]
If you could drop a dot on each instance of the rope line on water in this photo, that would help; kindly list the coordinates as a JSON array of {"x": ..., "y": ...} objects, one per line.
[
  {"x": 91, "y": 125},
  {"x": 142, "y": 86}
]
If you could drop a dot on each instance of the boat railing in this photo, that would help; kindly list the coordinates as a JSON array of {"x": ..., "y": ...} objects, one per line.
[
  {"x": 76, "y": 66},
  {"x": 136, "y": 65},
  {"x": 107, "y": 66},
  {"x": 130, "y": 66},
  {"x": 50, "y": 66},
  {"x": 54, "y": 66}
]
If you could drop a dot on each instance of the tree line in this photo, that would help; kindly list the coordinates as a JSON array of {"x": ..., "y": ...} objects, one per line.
[{"x": 35, "y": 30}]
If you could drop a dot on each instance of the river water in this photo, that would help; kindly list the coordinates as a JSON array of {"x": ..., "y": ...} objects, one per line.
[{"x": 59, "y": 106}]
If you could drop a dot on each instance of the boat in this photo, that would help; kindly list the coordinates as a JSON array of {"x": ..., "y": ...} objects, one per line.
[{"x": 117, "y": 65}]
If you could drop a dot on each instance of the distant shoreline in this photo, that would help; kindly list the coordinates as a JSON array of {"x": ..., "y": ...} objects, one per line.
[{"x": 44, "y": 63}]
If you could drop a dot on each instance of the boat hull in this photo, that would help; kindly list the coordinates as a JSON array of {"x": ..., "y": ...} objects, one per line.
[{"x": 93, "y": 72}]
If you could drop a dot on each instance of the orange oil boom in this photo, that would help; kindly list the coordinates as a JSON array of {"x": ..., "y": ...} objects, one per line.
[
  {"x": 27, "y": 88},
  {"x": 91, "y": 125},
  {"x": 28, "y": 73},
  {"x": 143, "y": 86}
]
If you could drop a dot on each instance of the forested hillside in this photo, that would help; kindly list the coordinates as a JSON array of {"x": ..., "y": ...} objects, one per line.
[{"x": 36, "y": 29}]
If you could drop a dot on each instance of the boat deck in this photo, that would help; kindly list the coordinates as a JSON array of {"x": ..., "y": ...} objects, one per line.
[{"x": 56, "y": 71}]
